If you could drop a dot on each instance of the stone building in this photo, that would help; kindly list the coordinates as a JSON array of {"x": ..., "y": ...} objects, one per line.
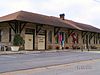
[{"x": 42, "y": 32}]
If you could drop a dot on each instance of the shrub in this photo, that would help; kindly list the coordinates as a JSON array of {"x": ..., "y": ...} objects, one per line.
[
  {"x": 66, "y": 47},
  {"x": 78, "y": 47},
  {"x": 57, "y": 47},
  {"x": 93, "y": 47},
  {"x": 50, "y": 47},
  {"x": 18, "y": 40}
]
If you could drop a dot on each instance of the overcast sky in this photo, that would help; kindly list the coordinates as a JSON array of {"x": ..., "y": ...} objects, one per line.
[{"x": 84, "y": 11}]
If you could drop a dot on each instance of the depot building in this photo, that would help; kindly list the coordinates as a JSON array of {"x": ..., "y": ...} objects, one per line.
[{"x": 42, "y": 32}]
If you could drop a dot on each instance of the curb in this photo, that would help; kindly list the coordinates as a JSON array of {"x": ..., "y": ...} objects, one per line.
[
  {"x": 30, "y": 52},
  {"x": 44, "y": 51}
]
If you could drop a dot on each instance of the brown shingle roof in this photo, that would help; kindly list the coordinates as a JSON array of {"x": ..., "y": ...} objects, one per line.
[
  {"x": 84, "y": 27},
  {"x": 49, "y": 20},
  {"x": 34, "y": 18}
]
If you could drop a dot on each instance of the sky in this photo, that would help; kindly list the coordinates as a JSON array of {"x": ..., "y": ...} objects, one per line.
[{"x": 83, "y": 11}]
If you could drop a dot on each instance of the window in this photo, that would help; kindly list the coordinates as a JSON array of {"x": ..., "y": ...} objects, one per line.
[
  {"x": 99, "y": 41},
  {"x": 89, "y": 39},
  {"x": 50, "y": 37},
  {"x": 62, "y": 33},
  {"x": 84, "y": 40},
  {"x": 94, "y": 39},
  {"x": 0, "y": 35},
  {"x": 66, "y": 37},
  {"x": 9, "y": 34},
  {"x": 77, "y": 38},
  {"x": 98, "y": 38},
  {"x": 56, "y": 39}
]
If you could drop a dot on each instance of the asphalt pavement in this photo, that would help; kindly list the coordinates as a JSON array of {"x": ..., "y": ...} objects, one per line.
[
  {"x": 17, "y": 62},
  {"x": 90, "y": 67}
]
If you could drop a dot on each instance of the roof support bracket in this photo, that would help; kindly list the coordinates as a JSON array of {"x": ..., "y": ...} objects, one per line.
[
  {"x": 84, "y": 34},
  {"x": 12, "y": 26},
  {"x": 17, "y": 26},
  {"x": 92, "y": 35},
  {"x": 38, "y": 28},
  {"x": 56, "y": 30},
  {"x": 70, "y": 31},
  {"x": 21, "y": 26}
]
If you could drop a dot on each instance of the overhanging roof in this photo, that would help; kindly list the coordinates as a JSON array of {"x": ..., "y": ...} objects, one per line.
[
  {"x": 34, "y": 18},
  {"x": 48, "y": 20},
  {"x": 84, "y": 27}
]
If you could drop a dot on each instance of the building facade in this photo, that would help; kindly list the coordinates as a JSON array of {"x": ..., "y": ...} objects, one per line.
[{"x": 42, "y": 32}]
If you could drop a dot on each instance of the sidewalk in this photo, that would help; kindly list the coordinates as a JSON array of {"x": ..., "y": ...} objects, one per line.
[
  {"x": 30, "y": 52},
  {"x": 33, "y": 52}
]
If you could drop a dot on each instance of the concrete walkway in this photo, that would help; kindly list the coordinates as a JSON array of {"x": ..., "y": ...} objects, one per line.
[
  {"x": 33, "y": 52},
  {"x": 29, "y": 52}
]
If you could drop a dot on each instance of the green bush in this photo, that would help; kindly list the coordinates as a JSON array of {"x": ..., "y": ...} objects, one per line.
[
  {"x": 18, "y": 40},
  {"x": 50, "y": 47}
]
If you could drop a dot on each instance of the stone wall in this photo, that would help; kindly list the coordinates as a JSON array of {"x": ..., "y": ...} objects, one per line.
[{"x": 5, "y": 36}]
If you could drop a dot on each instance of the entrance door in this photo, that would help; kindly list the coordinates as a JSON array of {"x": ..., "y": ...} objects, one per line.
[
  {"x": 29, "y": 42},
  {"x": 41, "y": 42},
  {"x": 29, "y": 39}
]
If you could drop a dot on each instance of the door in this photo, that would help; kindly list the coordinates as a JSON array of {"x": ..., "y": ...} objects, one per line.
[
  {"x": 41, "y": 42},
  {"x": 29, "y": 42},
  {"x": 29, "y": 38}
]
